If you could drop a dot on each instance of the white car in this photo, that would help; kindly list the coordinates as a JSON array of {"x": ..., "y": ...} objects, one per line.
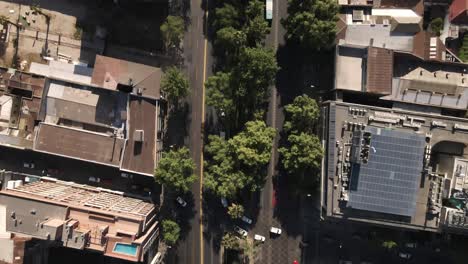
[
  {"x": 404, "y": 255},
  {"x": 94, "y": 179},
  {"x": 259, "y": 238},
  {"x": 224, "y": 202},
  {"x": 157, "y": 258},
  {"x": 240, "y": 231},
  {"x": 246, "y": 219},
  {"x": 275, "y": 230},
  {"x": 181, "y": 201}
]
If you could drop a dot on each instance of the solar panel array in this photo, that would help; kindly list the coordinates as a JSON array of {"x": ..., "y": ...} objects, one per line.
[{"x": 388, "y": 183}]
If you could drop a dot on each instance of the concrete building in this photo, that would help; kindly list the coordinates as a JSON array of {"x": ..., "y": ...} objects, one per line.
[
  {"x": 91, "y": 114},
  {"x": 80, "y": 217}
]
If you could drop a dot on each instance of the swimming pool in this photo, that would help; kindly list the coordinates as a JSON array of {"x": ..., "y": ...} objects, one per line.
[{"x": 126, "y": 249}]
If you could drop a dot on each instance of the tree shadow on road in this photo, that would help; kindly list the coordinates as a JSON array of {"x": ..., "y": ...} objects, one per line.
[
  {"x": 176, "y": 126},
  {"x": 303, "y": 71},
  {"x": 214, "y": 219}
]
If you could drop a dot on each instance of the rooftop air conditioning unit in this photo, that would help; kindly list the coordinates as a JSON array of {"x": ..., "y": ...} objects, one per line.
[
  {"x": 139, "y": 135},
  {"x": 358, "y": 15}
]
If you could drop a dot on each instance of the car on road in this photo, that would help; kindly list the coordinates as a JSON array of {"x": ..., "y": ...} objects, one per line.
[
  {"x": 181, "y": 201},
  {"x": 411, "y": 245},
  {"x": 404, "y": 255},
  {"x": 240, "y": 231},
  {"x": 224, "y": 202},
  {"x": 126, "y": 175},
  {"x": 259, "y": 238},
  {"x": 246, "y": 220},
  {"x": 157, "y": 259},
  {"x": 94, "y": 179},
  {"x": 275, "y": 230},
  {"x": 29, "y": 165}
]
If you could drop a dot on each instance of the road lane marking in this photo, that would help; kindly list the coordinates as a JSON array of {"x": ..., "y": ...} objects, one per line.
[{"x": 201, "y": 152}]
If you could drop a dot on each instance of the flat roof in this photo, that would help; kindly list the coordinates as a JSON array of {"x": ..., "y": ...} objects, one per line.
[
  {"x": 140, "y": 156},
  {"x": 349, "y": 63},
  {"x": 85, "y": 104},
  {"x": 427, "y": 83},
  {"x": 109, "y": 72},
  {"x": 388, "y": 181},
  {"x": 395, "y": 12},
  {"x": 79, "y": 144},
  {"x": 83, "y": 196},
  {"x": 380, "y": 35},
  {"x": 63, "y": 71}
]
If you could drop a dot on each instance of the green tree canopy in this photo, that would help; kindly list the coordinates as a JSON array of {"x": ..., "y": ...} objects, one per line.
[
  {"x": 256, "y": 27},
  {"x": 312, "y": 23},
  {"x": 437, "y": 24},
  {"x": 172, "y": 31},
  {"x": 235, "y": 211},
  {"x": 389, "y": 244},
  {"x": 226, "y": 16},
  {"x": 301, "y": 114},
  {"x": 253, "y": 145},
  {"x": 463, "y": 53},
  {"x": 255, "y": 71},
  {"x": 170, "y": 231},
  {"x": 219, "y": 94},
  {"x": 175, "y": 84},
  {"x": 175, "y": 169},
  {"x": 231, "y": 241},
  {"x": 304, "y": 152},
  {"x": 231, "y": 40},
  {"x": 239, "y": 162}
]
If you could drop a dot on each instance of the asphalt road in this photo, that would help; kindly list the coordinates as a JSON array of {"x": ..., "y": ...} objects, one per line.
[
  {"x": 276, "y": 207},
  {"x": 193, "y": 247}
]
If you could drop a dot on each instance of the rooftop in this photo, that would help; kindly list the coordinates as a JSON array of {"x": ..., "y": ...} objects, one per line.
[
  {"x": 79, "y": 144},
  {"x": 387, "y": 180},
  {"x": 393, "y": 182},
  {"x": 364, "y": 69},
  {"x": 140, "y": 156},
  {"x": 83, "y": 196},
  {"x": 63, "y": 71},
  {"x": 111, "y": 73},
  {"x": 85, "y": 104},
  {"x": 433, "y": 83},
  {"x": 378, "y": 35},
  {"x": 458, "y": 12}
]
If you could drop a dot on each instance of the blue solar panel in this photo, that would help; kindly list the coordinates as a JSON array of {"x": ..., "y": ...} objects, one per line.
[{"x": 388, "y": 182}]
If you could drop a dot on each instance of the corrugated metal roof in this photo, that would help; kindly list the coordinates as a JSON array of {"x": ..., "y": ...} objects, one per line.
[{"x": 379, "y": 70}]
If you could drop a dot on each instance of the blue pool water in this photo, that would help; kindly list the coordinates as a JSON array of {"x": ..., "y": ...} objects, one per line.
[{"x": 125, "y": 249}]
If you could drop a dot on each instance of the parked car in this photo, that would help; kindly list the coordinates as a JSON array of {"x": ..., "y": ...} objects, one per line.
[
  {"x": 181, "y": 201},
  {"x": 126, "y": 175},
  {"x": 246, "y": 219},
  {"x": 29, "y": 165},
  {"x": 259, "y": 238},
  {"x": 157, "y": 259},
  {"x": 404, "y": 255},
  {"x": 240, "y": 231},
  {"x": 224, "y": 202},
  {"x": 275, "y": 230},
  {"x": 411, "y": 245},
  {"x": 94, "y": 179}
]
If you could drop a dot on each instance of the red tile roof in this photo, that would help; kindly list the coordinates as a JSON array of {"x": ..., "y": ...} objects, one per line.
[
  {"x": 379, "y": 70},
  {"x": 459, "y": 12}
]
